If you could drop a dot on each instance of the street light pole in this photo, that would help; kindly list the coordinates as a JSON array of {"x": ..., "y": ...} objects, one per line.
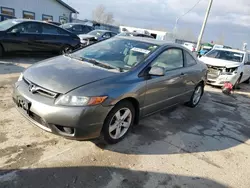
[{"x": 204, "y": 25}]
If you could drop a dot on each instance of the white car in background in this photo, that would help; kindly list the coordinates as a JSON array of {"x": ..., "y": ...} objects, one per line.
[
  {"x": 190, "y": 46},
  {"x": 227, "y": 65}
]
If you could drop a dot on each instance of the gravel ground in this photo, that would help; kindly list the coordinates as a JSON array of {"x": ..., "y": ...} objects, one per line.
[{"x": 203, "y": 147}]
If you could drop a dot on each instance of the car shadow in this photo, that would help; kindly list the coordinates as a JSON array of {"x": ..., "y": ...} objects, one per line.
[
  {"x": 219, "y": 122},
  {"x": 98, "y": 176}
]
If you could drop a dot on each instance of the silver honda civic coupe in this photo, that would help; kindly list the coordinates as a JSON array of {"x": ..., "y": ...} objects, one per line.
[{"x": 107, "y": 87}]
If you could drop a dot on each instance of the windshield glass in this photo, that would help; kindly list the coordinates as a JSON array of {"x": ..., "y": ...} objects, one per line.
[
  {"x": 226, "y": 55},
  {"x": 117, "y": 52},
  {"x": 96, "y": 33},
  {"x": 4, "y": 25},
  {"x": 66, "y": 26}
]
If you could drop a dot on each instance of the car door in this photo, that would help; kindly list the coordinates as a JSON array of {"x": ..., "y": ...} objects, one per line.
[
  {"x": 165, "y": 91},
  {"x": 22, "y": 37},
  {"x": 246, "y": 68},
  {"x": 53, "y": 38},
  {"x": 190, "y": 73}
]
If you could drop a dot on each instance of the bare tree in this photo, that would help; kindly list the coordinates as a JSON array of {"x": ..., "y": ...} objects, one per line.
[{"x": 100, "y": 15}]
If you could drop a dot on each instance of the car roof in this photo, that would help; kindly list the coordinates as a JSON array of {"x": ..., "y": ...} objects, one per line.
[
  {"x": 230, "y": 50},
  {"x": 103, "y": 30},
  {"x": 150, "y": 40}
]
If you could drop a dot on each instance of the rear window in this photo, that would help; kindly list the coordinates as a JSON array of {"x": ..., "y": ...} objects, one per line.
[{"x": 4, "y": 25}]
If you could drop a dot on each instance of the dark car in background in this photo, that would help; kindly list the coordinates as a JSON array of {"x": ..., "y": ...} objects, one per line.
[
  {"x": 95, "y": 36},
  {"x": 135, "y": 34},
  {"x": 6, "y": 17},
  {"x": 20, "y": 35},
  {"x": 108, "y": 86},
  {"x": 77, "y": 28}
]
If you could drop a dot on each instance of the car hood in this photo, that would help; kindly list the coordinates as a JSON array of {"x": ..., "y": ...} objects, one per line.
[
  {"x": 63, "y": 74},
  {"x": 86, "y": 36},
  {"x": 219, "y": 62}
]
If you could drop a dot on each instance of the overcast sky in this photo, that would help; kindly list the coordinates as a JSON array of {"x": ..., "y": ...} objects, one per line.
[{"x": 228, "y": 18}]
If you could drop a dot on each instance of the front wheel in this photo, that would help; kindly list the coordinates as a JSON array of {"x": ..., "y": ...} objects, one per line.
[
  {"x": 196, "y": 96},
  {"x": 118, "y": 122},
  {"x": 66, "y": 49}
]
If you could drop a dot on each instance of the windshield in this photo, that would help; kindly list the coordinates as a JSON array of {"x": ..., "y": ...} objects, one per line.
[
  {"x": 117, "y": 52},
  {"x": 66, "y": 26},
  {"x": 226, "y": 55},
  {"x": 4, "y": 25},
  {"x": 96, "y": 33}
]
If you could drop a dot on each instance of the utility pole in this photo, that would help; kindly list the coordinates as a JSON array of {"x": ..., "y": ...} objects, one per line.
[{"x": 204, "y": 25}]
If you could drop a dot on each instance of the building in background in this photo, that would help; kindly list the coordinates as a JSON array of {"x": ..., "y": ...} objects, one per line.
[{"x": 46, "y": 10}]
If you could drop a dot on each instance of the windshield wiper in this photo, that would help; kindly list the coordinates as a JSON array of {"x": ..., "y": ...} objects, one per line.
[{"x": 95, "y": 62}]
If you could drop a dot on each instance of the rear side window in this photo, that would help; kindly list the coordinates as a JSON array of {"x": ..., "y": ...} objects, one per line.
[
  {"x": 49, "y": 29},
  {"x": 189, "y": 59},
  {"x": 248, "y": 57},
  {"x": 30, "y": 27}
]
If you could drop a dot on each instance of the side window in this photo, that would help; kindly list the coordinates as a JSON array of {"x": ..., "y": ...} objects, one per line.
[
  {"x": 189, "y": 59},
  {"x": 62, "y": 31},
  {"x": 106, "y": 35},
  {"x": 113, "y": 34},
  {"x": 77, "y": 28},
  {"x": 86, "y": 29},
  {"x": 169, "y": 59},
  {"x": 49, "y": 29},
  {"x": 28, "y": 28},
  {"x": 248, "y": 58}
]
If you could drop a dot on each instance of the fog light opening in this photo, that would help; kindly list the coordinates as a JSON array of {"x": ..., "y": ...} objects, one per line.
[{"x": 65, "y": 130}]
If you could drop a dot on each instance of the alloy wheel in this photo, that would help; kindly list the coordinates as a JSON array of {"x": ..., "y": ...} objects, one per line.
[
  {"x": 197, "y": 95},
  {"x": 120, "y": 123}
]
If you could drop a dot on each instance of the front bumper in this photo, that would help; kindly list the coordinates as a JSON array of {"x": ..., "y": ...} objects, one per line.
[
  {"x": 71, "y": 122},
  {"x": 221, "y": 79}
]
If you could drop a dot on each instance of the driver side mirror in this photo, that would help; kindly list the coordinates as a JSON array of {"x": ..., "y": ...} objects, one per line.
[{"x": 157, "y": 71}]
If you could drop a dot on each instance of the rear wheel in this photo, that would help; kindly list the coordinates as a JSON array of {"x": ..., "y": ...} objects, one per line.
[
  {"x": 196, "y": 96},
  {"x": 118, "y": 122}
]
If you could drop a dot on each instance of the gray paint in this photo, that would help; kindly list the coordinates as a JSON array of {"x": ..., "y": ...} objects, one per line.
[{"x": 65, "y": 75}]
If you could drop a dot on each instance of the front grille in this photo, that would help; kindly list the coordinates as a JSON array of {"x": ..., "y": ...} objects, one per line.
[
  {"x": 40, "y": 90},
  {"x": 214, "y": 72}
]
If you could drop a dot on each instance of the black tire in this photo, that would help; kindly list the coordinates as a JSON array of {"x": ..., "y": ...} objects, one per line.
[
  {"x": 247, "y": 81},
  {"x": 192, "y": 103},
  {"x": 66, "y": 49},
  {"x": 1, "y": 51},
  {"x": 110, "y": 117},
  {"x": 237, "y": 83}
]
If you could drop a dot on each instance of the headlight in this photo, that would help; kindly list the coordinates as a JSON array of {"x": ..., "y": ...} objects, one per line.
[
  {"x": 229, "y": 71},
  {"x": 83, "y": 41},
  {"x": 20, "y": 77},
  {"x": 67, "y": 100}
]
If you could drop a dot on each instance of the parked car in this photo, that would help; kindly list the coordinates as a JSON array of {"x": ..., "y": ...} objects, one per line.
[
  {"x": 135, "y": 34},
  {"x": 190, "y": 46},
  {"x": 77, "y": 28},
  {"x": 108, "y": 86},
  {"x": 95, "y": 36},
  {"x": 20, "y": 35},
  {"x": 54, "y": 23},
  {"x": 6, "y": 17},
  {"x": 227, "y": 65}
]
